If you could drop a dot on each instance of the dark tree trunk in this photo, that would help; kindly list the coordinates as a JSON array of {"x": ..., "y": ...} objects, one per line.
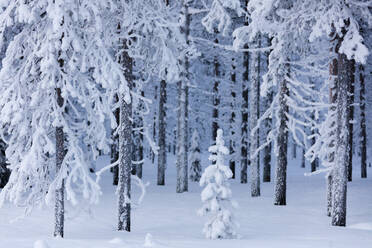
[
  {"x": 244, "y": 138},
  {"x": 216, "y": 97},
  {"x": 4, "y": 171},
  {"x": 59, "y": 208},
  {"x": 125, "y": 147},
  {"x": 303, "y": 159},
  {"x": 350, "y": 113},
  {"x": 363, "y": 132},
  {"x": 162, "y": 156},
  {"x": 281, "y": 169},
  {"x": 115, "y": 146},
  {"x": 232, "y": 120},
  {"x": 340, "y": 174}
]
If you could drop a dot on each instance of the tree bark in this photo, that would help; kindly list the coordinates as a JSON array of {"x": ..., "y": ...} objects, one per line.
[
  {"x": 216, "y": 97},
  {"x": 59, "y": 208},
  {"x": 115, "y": 146},
  {"x": 232, "y": 120},
  {"x": 350, "y": 113},
  {"x": 162, "y": 156},
  {"x": 363, "y": 132},
  {"x": 340, "y": 174},
  {"x": 244, "y": 137},
  {"x": 125, "y": 147},
  {"x": 255, "y": 114},
  {"x": 281, "y": 169},
  {"x": 182, "y": 124}
]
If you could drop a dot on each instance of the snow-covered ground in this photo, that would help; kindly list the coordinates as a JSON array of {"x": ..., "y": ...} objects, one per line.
[{"x": 169, "y": 220}]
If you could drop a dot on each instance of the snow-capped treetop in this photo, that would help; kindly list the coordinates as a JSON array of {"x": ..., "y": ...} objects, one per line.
[{"x": 218, "y": 17}]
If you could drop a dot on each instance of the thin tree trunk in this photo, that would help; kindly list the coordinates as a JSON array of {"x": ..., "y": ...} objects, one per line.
[
  {"x": 216, "y": 97},
  {"x": 281, "y": 169},
  {"x": 303, "y": 160},
  {"x": 255, "y": 114},
  {"x": 232, "y": 120},
  {"x": 294, "y": 149},
  {"x": 314, "y": 163},
  {"x": 329, "y": 194},
  {"x": 137, "y": 140},
  {"x": 244, "y": 161},
  {"x": 125, "y": 148},
  {"x": 115, "y": 146},
  {"x": 244, "y": 137},
  {"x": 182, "y": 124},
  {"x": 363, "y": 132},
  {"x": 350, "y": 105},
  {"x": 162, "y": 156},
  {"x": 59, "y": 208}
]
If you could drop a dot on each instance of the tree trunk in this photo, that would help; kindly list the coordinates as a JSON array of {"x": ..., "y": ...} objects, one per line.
[
  {"x": 350, "y": 113},
  {"x": 281, "y": 169},
  {"x": 115, "y": 146},
  {"x": 244, "y": 137},
  {"x": 162, "y": 156},
  {"x": 314, "y": 163},
  {"x": 329, "y": 194},
  {"x": 340, "y": 174},
  {"x": 125, "y": 148},
  {"x": 182, "y": 124},
  {"x": 4, "y": 171},
  {"x": 245, "y": 92},
  {"x": 255, "y": 114},
  {"x": 303, "y": 159},
  {"x": 267, "y": 149},
  {"x": 59, "y": 208},
  {"x": 232, "y": 120},
  {"x": 363, "y": 132},
  {"x": 216, "y": 97},
  {"x": 294, "y": 149}
]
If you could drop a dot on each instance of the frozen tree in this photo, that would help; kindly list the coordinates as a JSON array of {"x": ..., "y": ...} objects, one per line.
[
  {"x": 57, "y": 78},
  {"x": 195, "y": 160},
  {"x": 216, "y": 196}
]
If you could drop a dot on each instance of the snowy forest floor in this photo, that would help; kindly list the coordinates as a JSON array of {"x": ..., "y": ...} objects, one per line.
[{"x": 172, "y": 221}]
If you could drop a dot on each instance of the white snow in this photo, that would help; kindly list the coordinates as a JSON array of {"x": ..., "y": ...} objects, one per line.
[
  {"x": 171, "y": 217},
  {"x": 40, "y": 244}
]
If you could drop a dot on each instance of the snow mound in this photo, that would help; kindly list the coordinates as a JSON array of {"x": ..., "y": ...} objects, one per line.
[
  {"x": 362, "y": 226},
  {"x": 148, "y": 241},
  {"x": 116, "y": 241},
  {"x": 41, "y": 244}
]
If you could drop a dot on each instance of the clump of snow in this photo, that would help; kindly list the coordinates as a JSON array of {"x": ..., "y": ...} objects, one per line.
[
  {"x": 216, "y": 196},
  {"x": 148, "y": 241},
  {"x": 116, "y": 241},
  {"x": 41, "y": 244}
]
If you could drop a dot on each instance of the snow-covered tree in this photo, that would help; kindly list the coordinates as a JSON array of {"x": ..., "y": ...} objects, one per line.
[
  {"x": 216, "y": 196},
  {"x": 56, "y": 80},
  {"x": 195, "y": 160}
]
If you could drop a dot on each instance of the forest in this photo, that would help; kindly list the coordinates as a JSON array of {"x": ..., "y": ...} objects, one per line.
[{"x": 185, "y": 124}]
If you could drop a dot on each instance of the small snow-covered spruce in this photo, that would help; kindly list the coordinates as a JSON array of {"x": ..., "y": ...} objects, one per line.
[
  {"x": 216, "y": 196},
  {"x": 195, "y": 168}
]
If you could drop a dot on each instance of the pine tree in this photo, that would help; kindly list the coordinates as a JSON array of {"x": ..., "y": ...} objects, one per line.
[
  {"x": 216, "y": 196},
  {"x": 195, "y": 160}
]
